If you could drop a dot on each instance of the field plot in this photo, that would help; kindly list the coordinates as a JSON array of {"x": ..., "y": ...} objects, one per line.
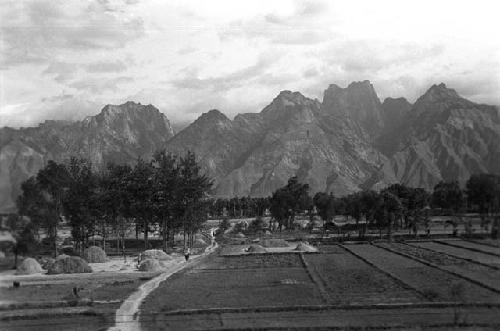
[
  {"x": 460, "y": 252},
  {"x": 247, "y": 285},
  {"x": 483, "y": 274},
  {"x": 349, "y": 280},
  {"x": 488, "y": 249},
  {"x": 358, "y": 286},
  {"x": 436, "y": 284}
]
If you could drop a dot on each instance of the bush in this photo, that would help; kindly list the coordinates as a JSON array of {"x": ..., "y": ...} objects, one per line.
[
  {"x": 29, "y": 266},
  {"x": 150, "y": 265},
  {"x": 256, "y": 226},
  {"x": 95, "y": 254},
  {"x": 224, "y": 225},
  {"x": 69, "y": 265}
]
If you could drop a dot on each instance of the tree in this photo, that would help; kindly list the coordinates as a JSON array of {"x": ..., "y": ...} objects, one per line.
[
  {"x": 79, "y": 201},
  {"x": 166, "y": 181},
  {"x": 287, "y": 201},
  {"x": 449, "y": 196},
  {"x": 191, "y": 196},
  {"x": 325, "y": 205},
  {"x": 389, "y": 209},
  {"x": 141, "y": 189},
  {"x": 483, "y": 192}
]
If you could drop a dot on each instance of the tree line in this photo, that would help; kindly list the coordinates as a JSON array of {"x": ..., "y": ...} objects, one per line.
[
  {"x": 167, "y": 192},
  {"x": 395, "y": 206}
]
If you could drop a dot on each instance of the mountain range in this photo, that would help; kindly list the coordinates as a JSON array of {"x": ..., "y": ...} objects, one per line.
[{"x": 347, "y": 142}]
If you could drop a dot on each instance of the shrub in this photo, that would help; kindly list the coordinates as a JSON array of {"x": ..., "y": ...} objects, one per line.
[
  {"x": 95, "y": 254},
  {"x": 29, "y": 266},
  {"x": 256, "y": 226},
  {"x": 69, "y": 265}
]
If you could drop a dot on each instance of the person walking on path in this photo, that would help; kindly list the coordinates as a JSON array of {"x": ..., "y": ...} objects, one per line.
[{"x": 187, "y": 252}]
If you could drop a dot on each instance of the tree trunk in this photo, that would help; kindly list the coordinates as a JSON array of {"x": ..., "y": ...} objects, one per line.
[
  {"x": 145, "y": 225},
  {"x": 164, "y": 234}
]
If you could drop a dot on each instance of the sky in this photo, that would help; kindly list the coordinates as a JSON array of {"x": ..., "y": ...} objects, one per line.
[{"x": 66, "y": 59}]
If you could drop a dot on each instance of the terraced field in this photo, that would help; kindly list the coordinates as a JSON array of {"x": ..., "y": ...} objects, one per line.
[
  {"x": 349, "y": 280},
  {"x": 344, "y": 286},
  {"x": 463, "y": 253},
  {"x": 484, "y": 275},
  {"x": 436, "y": 284}
]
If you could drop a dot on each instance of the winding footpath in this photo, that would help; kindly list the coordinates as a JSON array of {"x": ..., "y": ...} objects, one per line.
[{"x": 127, "y": 316}]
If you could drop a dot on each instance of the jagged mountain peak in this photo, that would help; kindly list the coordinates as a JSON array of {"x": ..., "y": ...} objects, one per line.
[
  {"x": 213, "y": 114},
  {"x": 287, "y": 104},
  {"x": 439, "y": 92},
  {"x": 357, "y": 102}
]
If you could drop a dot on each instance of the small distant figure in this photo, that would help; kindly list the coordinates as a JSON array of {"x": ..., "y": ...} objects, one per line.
[
  {"x": 187, "y": 252},
  {"x": 16, "y": 284}
]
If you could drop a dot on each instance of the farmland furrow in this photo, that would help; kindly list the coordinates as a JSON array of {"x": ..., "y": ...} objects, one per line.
[
  {"x": 436, "y": 284},
  {"x": 364, "y": 281},
  {"x": 495, "y": 251},
  {"x": 460, "y": 252},
  {"x": 479, "y": 273}
]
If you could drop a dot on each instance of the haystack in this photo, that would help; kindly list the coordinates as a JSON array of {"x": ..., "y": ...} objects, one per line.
[
  {"x": 155, "y": 254},
  {"x": 240, "y": 235},
  {"x": 150, "y": 265},
  {"x": 304, "y": 247},
  {"x": 62, "y": 256},
  {"x": 95, "y": 254},
  {"x": 256, "y": 249},
  {"x": 29, "y": 266},
  {"x": 2, "y": 255},
  {"x": 70, "y": 265}
]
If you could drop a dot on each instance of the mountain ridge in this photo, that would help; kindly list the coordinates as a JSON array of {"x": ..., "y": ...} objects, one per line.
[{"x": 351, "y": 140}]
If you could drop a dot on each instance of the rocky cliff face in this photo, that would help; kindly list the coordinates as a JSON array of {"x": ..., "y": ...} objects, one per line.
[
  {"x": 446, "y": 137},
  {"x": 347, "y": 142},
  {"x": 119, "y": 133}
]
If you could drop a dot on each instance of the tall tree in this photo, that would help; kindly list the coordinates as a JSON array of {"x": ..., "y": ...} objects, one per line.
[
  {"x": 289, "y": 200},
  {"x": 449, "y": 196},
  {"x": 141, "y": 188}
]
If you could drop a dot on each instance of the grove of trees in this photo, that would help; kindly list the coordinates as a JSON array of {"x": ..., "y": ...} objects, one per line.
[{"x": 167, "y": 192}]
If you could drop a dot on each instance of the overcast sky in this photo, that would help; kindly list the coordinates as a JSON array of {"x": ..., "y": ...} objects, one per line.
[{"x": 67, "y": 59}]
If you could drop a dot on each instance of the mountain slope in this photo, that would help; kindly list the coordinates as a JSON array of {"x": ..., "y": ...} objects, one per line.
[
  {"x": 447, "y": 138},
  {"x": 118, "y": 133}
]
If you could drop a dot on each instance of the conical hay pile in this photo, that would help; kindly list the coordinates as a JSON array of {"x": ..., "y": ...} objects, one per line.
[
  {"x": 303, "y": 247},
  {"x": 95, "y": 254},
  {"x": 155, "y": 254},
  {"x": 150, "y": 265},
  {"x": 29, "y": 266},
  {"x": 70, "y": 265}
]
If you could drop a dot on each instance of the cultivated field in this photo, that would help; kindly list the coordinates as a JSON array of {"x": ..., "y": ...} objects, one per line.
[{"x": 343, "y": 286}]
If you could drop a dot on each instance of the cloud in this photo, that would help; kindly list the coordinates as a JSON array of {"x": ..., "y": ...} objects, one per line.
[
  {"x": 232, "y": 80},
  {"x": 63, "y": 71},
  {"x": 299, "y": 27},
  {"x": 106, "y": 67},
  {"x": 60, "y": 107},
  {"x": 99, "y": 85},
  {"x": 38, "y": 31}
]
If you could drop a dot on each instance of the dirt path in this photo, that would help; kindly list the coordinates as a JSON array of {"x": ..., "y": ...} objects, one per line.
[{"x": 127, "y": 316}]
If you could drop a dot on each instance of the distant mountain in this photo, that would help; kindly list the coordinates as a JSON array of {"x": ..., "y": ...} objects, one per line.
[
  {"x": 118, "y": 133},
  {"x": 445, "y": 137},
  {"x": 347, "y": 142}
]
